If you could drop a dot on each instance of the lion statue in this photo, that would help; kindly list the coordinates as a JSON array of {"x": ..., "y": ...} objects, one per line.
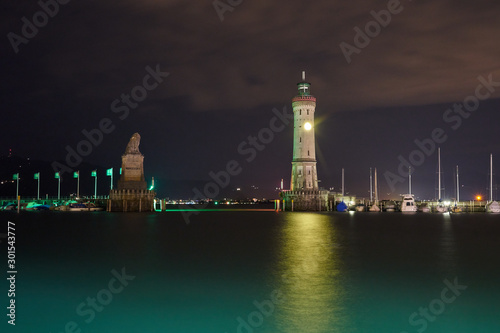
[{"x": 133, "y": 144}]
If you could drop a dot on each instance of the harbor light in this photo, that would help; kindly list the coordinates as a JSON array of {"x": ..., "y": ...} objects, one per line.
[
  {"x": 479, "y": 198},
  {"x": 307, "y": 126}
]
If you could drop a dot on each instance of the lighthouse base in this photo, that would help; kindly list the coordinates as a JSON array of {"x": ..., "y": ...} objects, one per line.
[{"x": 303, "y": 200}]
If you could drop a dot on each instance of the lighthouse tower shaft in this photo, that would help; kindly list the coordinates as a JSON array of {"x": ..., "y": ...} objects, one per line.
[{"x": 304, "y": 173}]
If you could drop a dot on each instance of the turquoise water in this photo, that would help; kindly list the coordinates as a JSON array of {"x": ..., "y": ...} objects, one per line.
[{"x": 255, "y": 272}]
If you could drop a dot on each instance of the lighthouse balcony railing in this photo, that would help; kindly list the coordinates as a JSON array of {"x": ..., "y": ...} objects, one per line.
[{"x": 304, "y": 98}]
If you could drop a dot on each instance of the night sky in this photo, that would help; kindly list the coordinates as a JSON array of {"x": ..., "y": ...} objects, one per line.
[{"x": 225, "y": 77}]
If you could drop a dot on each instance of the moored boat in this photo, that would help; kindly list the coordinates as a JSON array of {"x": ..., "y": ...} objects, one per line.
[
  {"x": 84, "y": 207},
  {"x": 424, "y": 208},
  {"x": 408, "y": 203},
  {"x": 342, "y": 207},
  {"x": 9, "y": 206},
  {"x": 36, "y": 206},
  {"x": 92, "y": 207},
  {"x": 441, "y": 208},
  {"x": 493, "y": 207},
  {"x": 360, "y": 208},
  {"x": 389, "y": 206}
]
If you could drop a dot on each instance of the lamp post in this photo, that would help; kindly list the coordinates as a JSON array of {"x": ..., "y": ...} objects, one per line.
[
  {"x": 58, "y": 177},
  {"x": 16, "y": 178},
  {"x": 94, "y": 174},
  {"x": 76, "y": 175},
  {"x": 37, "y": 177}
]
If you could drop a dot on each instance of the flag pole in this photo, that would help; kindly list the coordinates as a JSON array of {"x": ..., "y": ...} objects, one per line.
[
  {"x": 109, "y": 172},
  {"x": 17, "y": 186}
]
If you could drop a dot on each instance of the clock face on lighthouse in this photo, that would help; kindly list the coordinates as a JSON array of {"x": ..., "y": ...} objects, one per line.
[{"x": 307, "y": 126}]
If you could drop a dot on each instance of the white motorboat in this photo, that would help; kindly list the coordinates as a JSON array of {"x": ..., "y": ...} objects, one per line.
[{"x": 408, "y": 203}]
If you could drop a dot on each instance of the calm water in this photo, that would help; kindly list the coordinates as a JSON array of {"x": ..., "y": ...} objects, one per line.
[{"x": 256, "y": 272}]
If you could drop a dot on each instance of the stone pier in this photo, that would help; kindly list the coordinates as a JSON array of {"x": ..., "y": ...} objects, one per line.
[
  {"x": 306, "y": 200},
  {"x": 130, "y": 200}
]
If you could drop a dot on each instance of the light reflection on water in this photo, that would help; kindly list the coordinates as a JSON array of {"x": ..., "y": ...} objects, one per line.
[
  {"x": 310, "y": 268},
  {"x": 447, "y": 247},
  {"x": 338, "y": 272}
]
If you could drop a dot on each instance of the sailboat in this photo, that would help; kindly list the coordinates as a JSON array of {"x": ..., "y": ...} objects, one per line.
[
  {"x": 342, "y": 206},
  {"x": 375, "y": 207},
  {"x": 456, "y": 208},
  {"x": 492, "y": 206},
  {"x": 440, "y": 208},
  {"x": 408, "y": 202},
  {"x": 361, "y": 207}
]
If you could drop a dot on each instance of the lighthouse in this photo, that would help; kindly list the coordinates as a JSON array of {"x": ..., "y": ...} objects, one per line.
[
  {"x": 304, "y": 193},
  {"x": 304, "y": 172}
]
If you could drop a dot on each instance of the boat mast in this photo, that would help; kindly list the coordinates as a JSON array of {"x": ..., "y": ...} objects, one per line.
[
  {"x": 371, "y": 186},
  {"x": 342, "y": 182},
  {"x": 376, "y": 187},
  {"x": 458, "y": 187},
  {"x": 409, "y": 180},
  {"x": 439, "y": 174},
  {"x": 491, "y": 177}
]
